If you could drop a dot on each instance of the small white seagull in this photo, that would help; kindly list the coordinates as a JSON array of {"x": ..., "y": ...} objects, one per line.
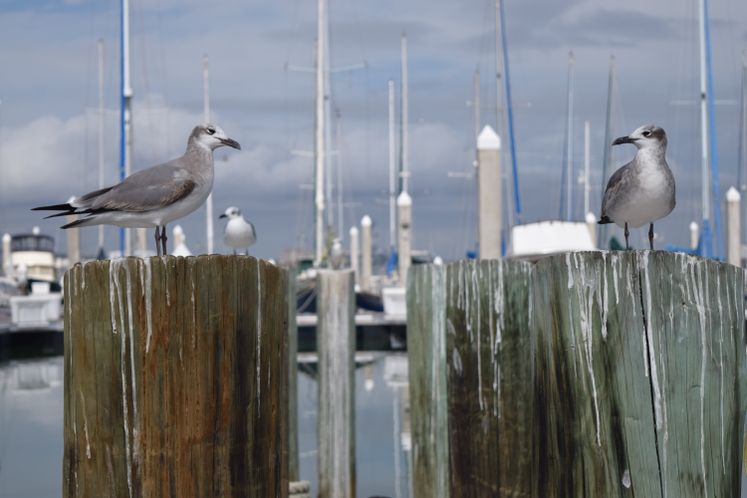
[
  {"x": 643, "y": 190},
  {"x": 239, "y": 233},
  {"x": 156, "y": 196}
]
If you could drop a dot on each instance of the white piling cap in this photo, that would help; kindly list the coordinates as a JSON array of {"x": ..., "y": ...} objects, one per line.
[
  {"x": 488, "y": 139},
  {"x": 366, "y": 221},
  {"x": 693, "y": 226},
  {"x": 178, "y": 230},
  {"x": 590, "y": 218},
  {"x": 353, "y": 230},
  {"x": 35, "y": 231},
  {"x": 6, "y": 237},
  {"x": 732, "y": 195},
  {"x": 404, "y": 199}
]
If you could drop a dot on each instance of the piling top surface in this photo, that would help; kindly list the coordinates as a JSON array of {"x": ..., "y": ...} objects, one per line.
[{"x": 732, "y": 195}]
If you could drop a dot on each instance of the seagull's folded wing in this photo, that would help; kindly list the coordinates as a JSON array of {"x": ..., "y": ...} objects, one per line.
[{"x": 147, "y": 190}]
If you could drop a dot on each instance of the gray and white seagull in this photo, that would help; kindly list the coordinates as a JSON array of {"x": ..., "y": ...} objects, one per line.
[
  {"x": 156, "y": 196},
  {"x": 643, "y": 190}
]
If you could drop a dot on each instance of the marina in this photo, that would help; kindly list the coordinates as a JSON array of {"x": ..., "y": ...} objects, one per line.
[{"x": 409, "y": 250}]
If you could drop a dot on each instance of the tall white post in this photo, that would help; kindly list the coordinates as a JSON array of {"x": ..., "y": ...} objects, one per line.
[
  {"x": 354, "y": 253},
  {"x": 392, "y": 169},
  {"x": 7, "y": 261},
  {"x": 100, "y": 133},
  {"x": 366, "y": 260},
  {"x": 489, "y": 190},
  {"x": 591, "y": 225},
  {"x": 694, "y": 235},
  {"x": 733, "y": 228},
  {"x": 404, "y": 206},
  {"x": 209, "y": 232},
  {"x": 73, "y": 241}
]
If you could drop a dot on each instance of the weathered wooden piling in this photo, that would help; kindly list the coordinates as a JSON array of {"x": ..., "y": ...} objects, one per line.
[
  {"x": 336, "y": 352},
  {"x": 175, "y": 378},
  {"x": 589, "y": 374},
  {"x": 293, "y": 470}
]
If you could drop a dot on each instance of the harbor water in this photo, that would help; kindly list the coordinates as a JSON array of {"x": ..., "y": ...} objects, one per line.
[{"x": 31, "y": 421}]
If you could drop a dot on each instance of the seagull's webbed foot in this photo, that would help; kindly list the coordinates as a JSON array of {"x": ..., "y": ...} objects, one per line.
[
  {"x": 651, "y": 236},
  {"x": 627, "y": 235}
]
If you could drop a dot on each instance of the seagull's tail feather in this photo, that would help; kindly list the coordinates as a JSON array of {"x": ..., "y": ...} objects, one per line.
[
  {"x": 55, "y": 207},
  {"x": 91, "y": 220},
  {"x": 605, "y": 220}
]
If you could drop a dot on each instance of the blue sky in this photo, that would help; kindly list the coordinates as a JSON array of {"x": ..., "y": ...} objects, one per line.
[{"x": 48, "y": 90}]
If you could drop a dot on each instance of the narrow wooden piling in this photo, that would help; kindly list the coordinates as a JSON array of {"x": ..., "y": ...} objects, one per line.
[
  {"x": 589, "y": 374},
  {"x": 293, "y": 471},
  {"x": 175, "y": 378},
  {"x": 336, "y": 350}
]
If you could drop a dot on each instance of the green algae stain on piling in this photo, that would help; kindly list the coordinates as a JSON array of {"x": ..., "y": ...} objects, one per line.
[
  {"x": 470, "y": 379},
  {"x": 628, "y": 376},
  {"x": 175, "y": 370}
]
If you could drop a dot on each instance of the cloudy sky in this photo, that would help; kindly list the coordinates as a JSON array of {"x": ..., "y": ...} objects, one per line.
[{"x": 48, "y": 90}]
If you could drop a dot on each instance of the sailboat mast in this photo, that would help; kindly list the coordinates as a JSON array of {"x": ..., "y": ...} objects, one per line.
[
  {"x": 586, "y": 167},
  {"x": 569, "y": 142},
  {"x": 602, "y": 229},
  {"x": 501, "y": 23},
  {"x": 392, "y": 168},
  {"x": 209, "y": 233},
  {"x": 705, "y": 192},
  {"x": 125, "y": 163},
  {"x": 404, "y": 167},
  {"x": 100, "y": 134},
  {"x": 320, "y": 133},
  {"x": 476, "y": 101},
  {"x": 742, "y": 159},
  {"x": 338, "y": 176}
]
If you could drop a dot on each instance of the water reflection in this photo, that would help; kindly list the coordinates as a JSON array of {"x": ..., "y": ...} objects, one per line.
[
  {"x": 382, "y": 428},
  {"x": 31, "y": 418},
  {"x": 31, "y": 403}
]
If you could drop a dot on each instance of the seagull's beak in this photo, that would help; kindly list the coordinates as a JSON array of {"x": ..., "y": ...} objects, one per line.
[
  {"x": 623, "y": 140},
  {"x": 224, "y": 215},
  {"x": 231, "y": 143}
]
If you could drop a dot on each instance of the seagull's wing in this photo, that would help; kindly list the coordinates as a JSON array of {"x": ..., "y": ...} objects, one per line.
[
  {"x": 618, "y": 183},
  {"x": 148, "y": 189}
]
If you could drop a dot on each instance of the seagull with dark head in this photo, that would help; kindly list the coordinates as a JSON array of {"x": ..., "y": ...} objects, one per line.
[
  {"x": 156, "y": 196},
  {"x": 643, "y": 190}
]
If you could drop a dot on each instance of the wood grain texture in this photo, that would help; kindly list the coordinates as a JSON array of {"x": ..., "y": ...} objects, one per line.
[
  {"x": 426, "y": 346},
  {"x": 629, "y": 376},
  {"x": 175, "y": 372},
  {"x": 336, "y": 381}
]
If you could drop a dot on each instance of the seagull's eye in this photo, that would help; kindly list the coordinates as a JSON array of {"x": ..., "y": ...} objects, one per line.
[
  {"x": 646, "y": 133},
  {"x": 210, "y": 130}
]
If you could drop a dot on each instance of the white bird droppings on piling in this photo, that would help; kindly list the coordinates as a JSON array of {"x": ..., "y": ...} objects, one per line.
[
  {"x": 148, "y": 296},
  {"x": 626, "y": 479}
]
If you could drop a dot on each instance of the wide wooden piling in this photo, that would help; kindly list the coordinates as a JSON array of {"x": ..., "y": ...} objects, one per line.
[
  {"x": 589, "y": 374},
  {"x": 336, "y": 352},
  {"x": 175, "y": 378}
]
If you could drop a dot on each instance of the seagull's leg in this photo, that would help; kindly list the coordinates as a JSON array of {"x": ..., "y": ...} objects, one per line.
[
  {"x": 158, "y": 245},
  {"x": 627, "y": 234},
  {"x": 651, "y": 236},
  {"x": 163, "y": 239}
]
